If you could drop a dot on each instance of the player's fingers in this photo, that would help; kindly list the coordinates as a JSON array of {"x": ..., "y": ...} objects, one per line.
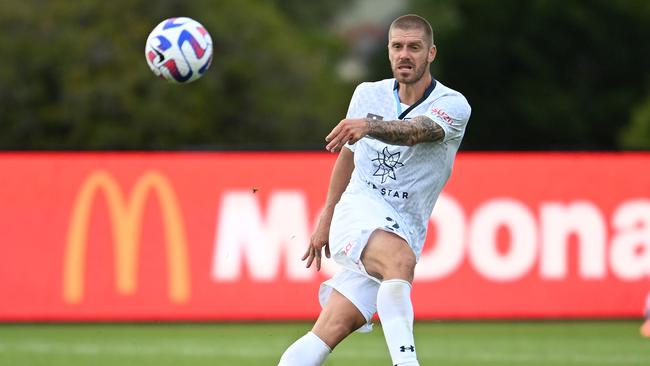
[
  {"x": 309, "y": 261},
  {"x": 337, "y": 143},
  {"x": 327, "y": 250},
  {"x": 335, "y": 131},
  {"x": 306, "y": 254},
  {"x": 332, "y": 146},
  {"x": 318, "y": 258},
  {"x": 310, "y": 257},
  {"x": 334, "y": 137}
]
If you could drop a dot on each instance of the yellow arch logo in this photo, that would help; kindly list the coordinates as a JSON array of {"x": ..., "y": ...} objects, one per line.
[{"x": 126, "y": 217}]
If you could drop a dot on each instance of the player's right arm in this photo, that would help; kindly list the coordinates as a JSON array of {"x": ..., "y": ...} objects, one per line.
[
  {"x": 339, "y": 180},
  {"x": 445, "y": 120}
]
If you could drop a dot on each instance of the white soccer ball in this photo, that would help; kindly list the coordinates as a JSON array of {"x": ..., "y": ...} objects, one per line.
[{"x": 179, "y": 50}]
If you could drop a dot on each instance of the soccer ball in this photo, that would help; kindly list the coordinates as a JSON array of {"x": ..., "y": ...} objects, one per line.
[{"x": 179, "y": 50}]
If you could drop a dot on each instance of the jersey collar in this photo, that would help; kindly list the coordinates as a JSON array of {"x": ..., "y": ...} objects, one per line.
[{"x": 426, "y": 94}]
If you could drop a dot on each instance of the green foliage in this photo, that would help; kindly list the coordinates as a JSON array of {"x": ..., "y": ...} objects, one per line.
[
  {"x": 544, "y": 74},
  {"x": 311, "y": 14},
  {"x": 637, "y": 133},
  {"x": 74, "y": 77},
  {"x": 540, "y": 74}
]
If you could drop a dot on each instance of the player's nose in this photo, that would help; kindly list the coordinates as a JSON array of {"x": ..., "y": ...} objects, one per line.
[
  {"x": 404, "y": 56},
  {"x": 405, "y": 60}
]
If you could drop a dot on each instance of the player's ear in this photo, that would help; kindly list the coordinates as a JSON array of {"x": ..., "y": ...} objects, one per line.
[{"x": 432, "y": 53}]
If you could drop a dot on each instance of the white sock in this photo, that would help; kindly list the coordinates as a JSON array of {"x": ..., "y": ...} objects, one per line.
[
  {"x": 309, "y": 350},
  {"x": 396, "y": 314}
]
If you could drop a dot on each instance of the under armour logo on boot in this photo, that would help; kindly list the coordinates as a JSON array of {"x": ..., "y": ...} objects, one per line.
[{"x": 404, "y": 348}]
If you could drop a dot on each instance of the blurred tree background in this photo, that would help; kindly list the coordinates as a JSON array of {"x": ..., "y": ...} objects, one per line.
[{"x": 540, "y": 74}]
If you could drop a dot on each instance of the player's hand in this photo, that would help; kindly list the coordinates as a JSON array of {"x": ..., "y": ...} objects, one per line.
[
  {"x": 319, "y": 240},
  {"x": 347, "y": 131}
]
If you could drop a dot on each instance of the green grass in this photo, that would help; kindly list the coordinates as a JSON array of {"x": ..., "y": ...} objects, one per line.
[{"x": 439, "y": 343}]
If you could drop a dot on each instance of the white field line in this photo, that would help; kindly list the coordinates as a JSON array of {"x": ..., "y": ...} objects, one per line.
[
  {"x": 95, "y": 349},
  {"x": 523, "y": 358},
  {"x": 207, "y": 350}
]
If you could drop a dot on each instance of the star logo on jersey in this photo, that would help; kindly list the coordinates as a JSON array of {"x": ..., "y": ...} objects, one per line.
[{"x": 387, "y": 163}]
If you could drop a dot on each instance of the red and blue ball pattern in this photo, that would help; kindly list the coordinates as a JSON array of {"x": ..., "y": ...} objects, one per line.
[{"x": 179, "y": 50}]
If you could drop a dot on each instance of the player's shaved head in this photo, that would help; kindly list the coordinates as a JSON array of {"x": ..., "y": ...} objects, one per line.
[{"x": 412, "y": 21}]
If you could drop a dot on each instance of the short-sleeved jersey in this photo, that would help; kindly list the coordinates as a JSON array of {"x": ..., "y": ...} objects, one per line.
[{"x": 409, "y": 178}]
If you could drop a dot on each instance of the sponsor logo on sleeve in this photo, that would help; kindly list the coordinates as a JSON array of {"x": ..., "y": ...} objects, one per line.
[{"x": 443, "y": 115}]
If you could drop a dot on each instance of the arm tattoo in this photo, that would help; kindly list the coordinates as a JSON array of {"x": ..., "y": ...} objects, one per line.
[{"x": 419, "y": 129}]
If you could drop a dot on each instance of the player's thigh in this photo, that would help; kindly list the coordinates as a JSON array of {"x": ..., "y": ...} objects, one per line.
[
  {"x": 388, "y": 256},
  {"x": 338, "y": 319}
]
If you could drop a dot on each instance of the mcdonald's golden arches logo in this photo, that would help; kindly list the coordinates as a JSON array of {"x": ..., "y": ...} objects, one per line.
[{"x": 126, "y": 217}]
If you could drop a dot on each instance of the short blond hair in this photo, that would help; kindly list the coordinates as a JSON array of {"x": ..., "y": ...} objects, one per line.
[{"x": 413, "y": 21}]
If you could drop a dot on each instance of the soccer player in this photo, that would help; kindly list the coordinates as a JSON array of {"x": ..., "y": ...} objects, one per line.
[
  {"x": 396, "y": 150},
  {"x": 645, "y": 327}
]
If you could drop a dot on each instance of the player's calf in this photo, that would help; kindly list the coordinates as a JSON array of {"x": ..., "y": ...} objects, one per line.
[{"x": 396, "y": 314}]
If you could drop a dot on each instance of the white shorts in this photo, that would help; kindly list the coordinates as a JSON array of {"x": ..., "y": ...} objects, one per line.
[{"x": 355, "y": 219}]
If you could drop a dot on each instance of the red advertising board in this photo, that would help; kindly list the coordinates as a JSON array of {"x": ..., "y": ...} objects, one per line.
[{"x": 219, "y": 236}]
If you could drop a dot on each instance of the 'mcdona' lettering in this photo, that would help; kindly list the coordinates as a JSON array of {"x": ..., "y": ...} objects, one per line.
[{"x": 261, "y": 244}]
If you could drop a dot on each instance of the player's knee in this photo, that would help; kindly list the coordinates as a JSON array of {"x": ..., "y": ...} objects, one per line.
[
  {"x": 332, "y": 327},
  {"x": 388, "y": 256},
  {"x": 334, "y": 330},
  {"x": 400, "y": 266}
]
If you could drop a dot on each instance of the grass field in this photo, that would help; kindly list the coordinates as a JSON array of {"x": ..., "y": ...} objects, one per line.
[{"x": 439, "y": 343}]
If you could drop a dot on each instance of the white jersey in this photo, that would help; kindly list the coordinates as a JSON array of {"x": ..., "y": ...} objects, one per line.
[{"x": 408, "y": 178}]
